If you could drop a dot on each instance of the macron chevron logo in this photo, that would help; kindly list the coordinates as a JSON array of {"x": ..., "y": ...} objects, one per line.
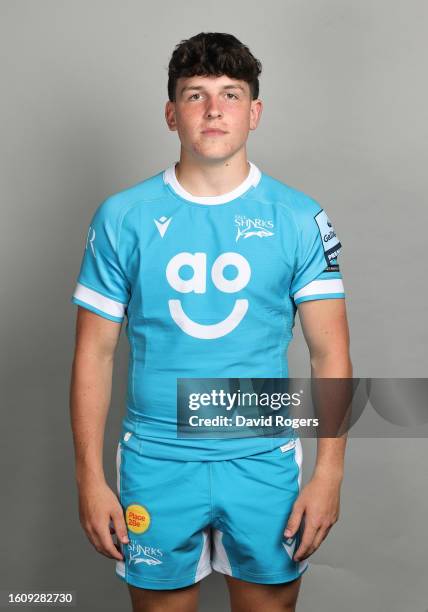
[
  {"x": 290, "y": 545},
  {"x": 162, "y": 224}
]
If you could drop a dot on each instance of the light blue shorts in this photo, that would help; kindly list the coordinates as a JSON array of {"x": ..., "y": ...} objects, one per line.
[{"x": 188, "y": 518}]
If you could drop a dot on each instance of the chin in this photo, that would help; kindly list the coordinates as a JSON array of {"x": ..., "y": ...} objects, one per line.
[
  {"x": 214, "y": 152},
  {"x": 217, "y": 158}
]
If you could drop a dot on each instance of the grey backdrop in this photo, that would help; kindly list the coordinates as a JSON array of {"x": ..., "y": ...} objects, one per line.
[{"x": 345, "y": 119}]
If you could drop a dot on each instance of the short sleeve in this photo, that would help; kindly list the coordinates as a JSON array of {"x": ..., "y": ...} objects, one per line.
[
  {"x": 317, "y": 274},
  {"x": 102, "y": 286}
]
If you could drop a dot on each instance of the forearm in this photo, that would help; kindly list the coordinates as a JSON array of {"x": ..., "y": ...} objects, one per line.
[
  {"x": 90, "y": 395},
  {"x": 331, "y": 451}
]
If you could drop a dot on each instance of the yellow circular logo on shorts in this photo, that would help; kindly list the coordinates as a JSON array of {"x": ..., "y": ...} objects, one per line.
[{"x": 137, "y": 518}]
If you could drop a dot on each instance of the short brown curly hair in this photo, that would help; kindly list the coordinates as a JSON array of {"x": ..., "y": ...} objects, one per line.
[{"x": 213, "y": 53}]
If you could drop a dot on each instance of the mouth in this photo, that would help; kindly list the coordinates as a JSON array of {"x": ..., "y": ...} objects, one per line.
[{"x": 213, "y": 132}]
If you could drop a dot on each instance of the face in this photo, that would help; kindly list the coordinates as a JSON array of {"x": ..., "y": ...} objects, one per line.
[{"x": 205, "y": 103}]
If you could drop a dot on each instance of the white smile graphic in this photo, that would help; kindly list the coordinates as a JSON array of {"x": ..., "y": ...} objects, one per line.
[{"x": 208, "y": 332}]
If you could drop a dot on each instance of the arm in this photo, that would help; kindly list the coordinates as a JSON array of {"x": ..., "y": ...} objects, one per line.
[
  {"x": 90, "y": 394},
  {"x": 325, "y": 328}
]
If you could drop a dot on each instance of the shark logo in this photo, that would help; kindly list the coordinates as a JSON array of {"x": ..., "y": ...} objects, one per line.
[
  {"x": 252, "y": 227},
  {"x": 162, "y": 224},
  {"x": 144, "y": 554},
  {"x": 197, "y": 284}
]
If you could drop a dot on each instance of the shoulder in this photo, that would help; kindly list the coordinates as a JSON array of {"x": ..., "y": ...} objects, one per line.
[
  {"x": 116, "y": 206},
  {"x": 290, "y": 201}
]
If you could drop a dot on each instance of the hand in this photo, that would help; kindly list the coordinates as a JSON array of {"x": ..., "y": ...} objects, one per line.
[
  {"x": 99, "y": 508},
  {"x": 319, "y": 501}
]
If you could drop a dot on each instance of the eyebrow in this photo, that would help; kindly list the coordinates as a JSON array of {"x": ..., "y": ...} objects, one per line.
[{"x": 199, "y": 87}]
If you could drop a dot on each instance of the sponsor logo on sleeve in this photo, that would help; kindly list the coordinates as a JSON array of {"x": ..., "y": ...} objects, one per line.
[
  {"x": 333, "y": 268},
  {"x": 330, "y": 241}
]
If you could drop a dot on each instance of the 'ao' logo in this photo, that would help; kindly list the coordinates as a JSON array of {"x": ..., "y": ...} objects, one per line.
[{"x": 197, "y": 284}]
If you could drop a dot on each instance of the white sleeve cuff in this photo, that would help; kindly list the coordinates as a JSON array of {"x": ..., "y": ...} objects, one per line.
[
  {"x": 99, "y": 301},
  {"x": 322, "y": 287}
]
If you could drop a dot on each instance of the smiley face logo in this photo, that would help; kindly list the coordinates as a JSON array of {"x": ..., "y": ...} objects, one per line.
[{"x": 197, "y": 284}]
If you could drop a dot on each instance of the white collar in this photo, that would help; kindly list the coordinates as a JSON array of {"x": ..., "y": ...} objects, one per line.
[{"x": 252, "y": 179}]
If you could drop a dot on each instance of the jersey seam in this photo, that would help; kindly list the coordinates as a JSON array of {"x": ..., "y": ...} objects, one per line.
[
  {"x": 119, "y": 224},
  {"x": 286, "y": 210},
  {"x": 309, "y": 281},
  {"x": 282, "y": 344},
  {"x": 324, "y": 265}
]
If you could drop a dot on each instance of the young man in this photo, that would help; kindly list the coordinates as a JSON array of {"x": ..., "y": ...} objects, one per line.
[{"x": 209, "y": 260}]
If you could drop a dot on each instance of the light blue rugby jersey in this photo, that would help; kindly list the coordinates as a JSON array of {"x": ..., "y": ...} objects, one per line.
[{"x": 209, "y": 287}]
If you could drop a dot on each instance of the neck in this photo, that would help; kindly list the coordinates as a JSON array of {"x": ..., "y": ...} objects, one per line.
[{"x": 212, "y": 177}]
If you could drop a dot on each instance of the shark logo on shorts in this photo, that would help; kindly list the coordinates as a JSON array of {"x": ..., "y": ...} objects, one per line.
[{"x": 144, "y": 554}]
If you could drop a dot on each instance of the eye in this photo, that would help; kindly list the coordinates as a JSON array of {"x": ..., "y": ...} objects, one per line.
[
  {"x": 231, "y": 94},
  {"x": 195, "y": 94}
]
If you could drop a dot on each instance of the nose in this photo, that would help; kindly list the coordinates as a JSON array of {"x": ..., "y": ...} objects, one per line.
[{"x": 213, "y": 109}]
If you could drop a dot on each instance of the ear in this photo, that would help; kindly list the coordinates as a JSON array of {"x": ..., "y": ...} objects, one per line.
[
  {"x": 255, "y": 113},
  {"x": 170, "y": 116}
]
